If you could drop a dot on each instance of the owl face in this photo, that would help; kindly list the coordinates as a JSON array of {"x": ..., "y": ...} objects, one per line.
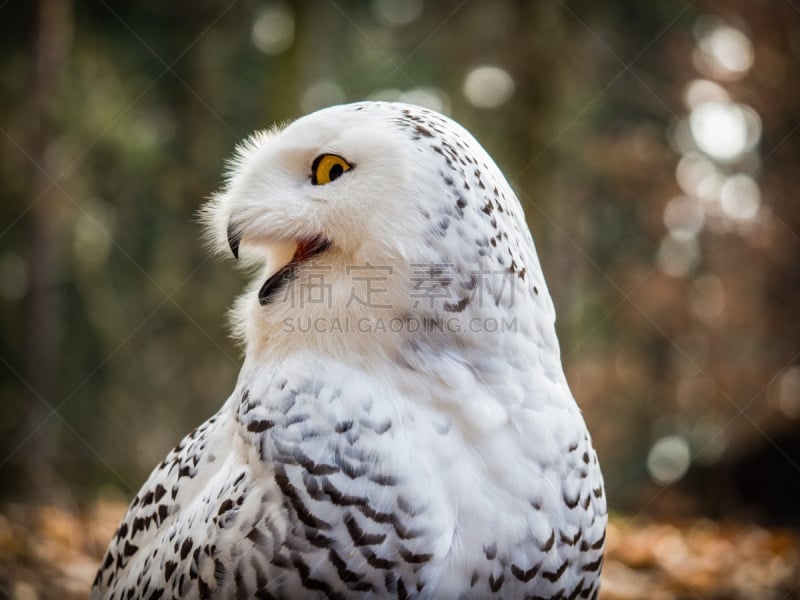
[
  {"x": 380, "y": 184},
  {"x": 337, "y": 179}
]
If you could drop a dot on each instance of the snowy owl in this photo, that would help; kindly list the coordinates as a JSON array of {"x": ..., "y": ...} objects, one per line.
[{"x": 401, "y": 426}]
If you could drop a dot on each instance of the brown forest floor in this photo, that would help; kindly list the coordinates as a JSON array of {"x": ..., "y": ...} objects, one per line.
[{"x": 48, "y": 552}]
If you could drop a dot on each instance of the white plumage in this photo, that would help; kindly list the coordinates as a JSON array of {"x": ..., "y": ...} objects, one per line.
[{"x": 401, "y": 426}]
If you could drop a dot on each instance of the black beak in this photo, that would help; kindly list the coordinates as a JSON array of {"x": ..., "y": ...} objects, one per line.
[{"x": 234, "y": 238}]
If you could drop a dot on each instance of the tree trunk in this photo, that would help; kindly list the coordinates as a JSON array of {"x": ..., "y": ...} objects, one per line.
[{"x": 53, "y": 39}]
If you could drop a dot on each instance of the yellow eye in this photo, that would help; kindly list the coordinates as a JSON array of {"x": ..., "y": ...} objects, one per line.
[{"x": 327, "y": 167}]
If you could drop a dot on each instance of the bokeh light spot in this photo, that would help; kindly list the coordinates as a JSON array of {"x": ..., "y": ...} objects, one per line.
[
  {"x": 396, "y": 13},
  {"x": 92, "y": 234},
  {"x": 724, "y": 130},
  {"x": 684, "y": 217},
  {"x": 740, "y": 197},
  {"x": 273, "y": 28},
  {"x": 427, "y": 97},
  {"x": 321, "y": 93},
  {"x": 668, "y": 459},
  {"x": 677, "y": 256},
  {"x": 700, "y": 91},
  {"x": 696, "y": 174},
  {"x": 727, "y": 51},
  {"x": 488, "y": 87}
]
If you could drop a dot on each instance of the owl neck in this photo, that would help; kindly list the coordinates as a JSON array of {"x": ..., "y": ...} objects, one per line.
[{"x": 475, "y": 360}]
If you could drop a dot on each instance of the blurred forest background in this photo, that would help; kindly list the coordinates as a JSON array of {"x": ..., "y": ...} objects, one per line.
[{"x": 655, "y": 147}]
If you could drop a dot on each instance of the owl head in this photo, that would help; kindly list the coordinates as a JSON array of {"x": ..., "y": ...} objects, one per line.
[{"x": 377, "y": 199}]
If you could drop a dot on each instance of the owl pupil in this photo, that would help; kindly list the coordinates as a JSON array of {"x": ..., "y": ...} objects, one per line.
[{"x": 335, "y": 172}]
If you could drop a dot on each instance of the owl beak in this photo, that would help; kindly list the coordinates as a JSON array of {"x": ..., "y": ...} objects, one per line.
[
  {"x": 234, "y": 239},
  {"x": 306, "y": 249}
]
